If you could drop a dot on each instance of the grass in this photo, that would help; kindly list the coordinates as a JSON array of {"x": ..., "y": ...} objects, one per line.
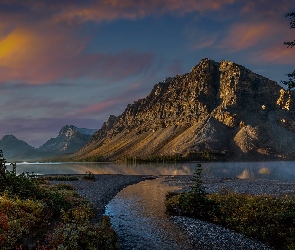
[
  {"x": 263, "y": 217},
  {"x": 48, "y": 217}
]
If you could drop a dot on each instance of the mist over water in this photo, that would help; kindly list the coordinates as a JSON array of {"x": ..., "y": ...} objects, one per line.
[{"x": 280, "y": 170}]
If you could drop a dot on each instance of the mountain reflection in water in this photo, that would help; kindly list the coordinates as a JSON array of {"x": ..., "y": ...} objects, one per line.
[{"x": 279, "y": 170}]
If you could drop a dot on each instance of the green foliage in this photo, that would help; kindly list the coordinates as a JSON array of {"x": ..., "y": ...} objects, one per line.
[
  {"x": 60, "y": 178},
  {"x": 89, "y": 176},
  {"x": 195, "y": 202},
  {"x": 201, "y": 156},
  {"x": 269, "y": 219},
  {"x": 76, "y": 232},
  {"x": 264, "y": 217},
  {"x": 291, "y": 77},
  {"x": 27, "y": 209},
  {"x": 291, "y": 80},
  {"x": 20, "y": 219}
]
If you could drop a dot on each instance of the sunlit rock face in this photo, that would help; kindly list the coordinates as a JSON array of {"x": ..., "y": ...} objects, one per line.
[
  {"x": 217, "y": 107},
  {"x": 69, "y": 140}
]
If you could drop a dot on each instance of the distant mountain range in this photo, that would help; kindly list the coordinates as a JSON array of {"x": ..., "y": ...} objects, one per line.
[
  {"x": 218, "y": 110},
  {"x": 69, "y": 140}
]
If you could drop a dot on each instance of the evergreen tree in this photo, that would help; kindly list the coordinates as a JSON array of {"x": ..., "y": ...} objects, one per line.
[{"x": 291, "y": 81}]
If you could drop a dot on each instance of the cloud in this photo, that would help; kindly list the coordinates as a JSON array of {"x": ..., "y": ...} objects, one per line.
[
  {"x": 242, "y": 36},
  {"x": 278, "y": 54},
  {"x": 36, "y": 58},
  {"x": 109, "y": 10},
  {"x": 261, "y": 33},
  {"x": 95, "y": 109}
]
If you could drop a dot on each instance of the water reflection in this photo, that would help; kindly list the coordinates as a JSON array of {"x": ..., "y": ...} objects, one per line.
[
  {"x": 264, "y": 170},
  {"x": 138, "y": 217}
]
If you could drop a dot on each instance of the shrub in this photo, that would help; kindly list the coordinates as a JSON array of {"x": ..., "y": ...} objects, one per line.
[
  {"x": 264, "y": 217},
  {"x": 27, "y": 209},
  {"x": 20, "y": 219},
  {"x": 194, "y": 203},
  {"x": 89, "y": 176},
  {"x": 60, "y": 178}
]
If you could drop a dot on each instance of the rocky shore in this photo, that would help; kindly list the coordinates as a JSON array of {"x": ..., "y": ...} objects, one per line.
[
  {"x": 100, "y": 191},
  {"x": 203, "y": 235},
  {"x": 248, "y": 186},
  {"x": 208, "y": 236}
]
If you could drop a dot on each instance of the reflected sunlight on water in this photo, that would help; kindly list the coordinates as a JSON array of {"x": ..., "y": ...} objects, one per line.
[
  {"x": 264, "y": 170},
  {"x": 138, "y": 216}
]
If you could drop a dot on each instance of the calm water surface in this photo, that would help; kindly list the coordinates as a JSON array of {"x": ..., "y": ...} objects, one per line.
[{"x": 280, "y": 170}]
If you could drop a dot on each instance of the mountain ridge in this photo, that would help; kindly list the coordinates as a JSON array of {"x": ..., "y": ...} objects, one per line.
[
  {"x": 69, "y": 140},
  {"x": 222, "y": 108}
]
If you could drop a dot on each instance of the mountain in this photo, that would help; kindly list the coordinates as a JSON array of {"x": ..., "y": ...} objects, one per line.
[
  {"x": 69, "y": 140},
  {"x": 218, "y": 109},
  {"x": 17, "y": 150}
]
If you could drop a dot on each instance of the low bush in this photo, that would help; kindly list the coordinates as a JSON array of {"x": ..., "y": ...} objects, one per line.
[
  {"x": 76, "y": 232},
  {"x": 20, "y": 219},
  {"x": 263, "y": 217},
  {"x": 28, "y": 209},
  {"x": 60, "y": 178},
  {"x": 89, "y": 176}
]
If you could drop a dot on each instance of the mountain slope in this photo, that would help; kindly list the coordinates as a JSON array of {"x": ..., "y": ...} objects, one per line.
[
  {"x": 17, "y": 150},
  {"x": 222, "y": 108},
  {"x": 69, "y": 140}
]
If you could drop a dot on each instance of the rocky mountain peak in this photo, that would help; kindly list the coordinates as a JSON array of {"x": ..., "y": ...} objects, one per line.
[
  {"x": 68, "y": 140},
  {"x": 220, "y": 107},
  {"x": 68, "y": 131}
]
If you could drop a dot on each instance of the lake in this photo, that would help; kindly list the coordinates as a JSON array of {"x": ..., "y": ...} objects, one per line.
[{"x": 279, "y": 170}]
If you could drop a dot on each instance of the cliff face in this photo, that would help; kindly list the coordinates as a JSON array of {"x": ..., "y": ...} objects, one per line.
[
  {"x": 69, "y": 140},
  {"x": 218, "y": 107}
]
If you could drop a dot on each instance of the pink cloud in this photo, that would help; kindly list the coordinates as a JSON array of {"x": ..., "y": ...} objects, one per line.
[
  {"x": 278, "y": 54},
  {"x": 95, "y": 109},
  {"x": 262, "y": 33},
  {"x": 32, "y": 56},
  {"x": 110, "y": 10},
  {"x": 245, "y": 35}
]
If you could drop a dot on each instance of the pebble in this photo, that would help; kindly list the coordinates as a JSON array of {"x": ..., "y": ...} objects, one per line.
[{"x": 103, "y": 189}]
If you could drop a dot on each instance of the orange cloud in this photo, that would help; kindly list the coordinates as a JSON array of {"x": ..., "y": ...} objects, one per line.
[
  {"x": 30, "y": 56},
  {"x": 95, "y": 109},
  {"x": 245, "y": 35},
  {"x": 109, "y": 10},
  {"x": 278, "y": 54},
  {"x": 35, "y": 57}
]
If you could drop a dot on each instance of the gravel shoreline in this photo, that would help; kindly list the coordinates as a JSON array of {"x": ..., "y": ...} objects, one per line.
[
  {"x": 203, "y": 235},
  {"x": 103, "y": 189}
]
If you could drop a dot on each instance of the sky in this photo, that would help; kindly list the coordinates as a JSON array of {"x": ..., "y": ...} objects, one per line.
[{"x": 73, "y": 62}]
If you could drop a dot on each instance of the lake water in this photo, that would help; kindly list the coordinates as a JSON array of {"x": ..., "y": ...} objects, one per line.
[{"x": 280, "y": 170}]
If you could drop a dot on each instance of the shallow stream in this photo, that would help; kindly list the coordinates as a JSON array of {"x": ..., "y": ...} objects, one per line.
[{"x": 138, "y": 216}]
